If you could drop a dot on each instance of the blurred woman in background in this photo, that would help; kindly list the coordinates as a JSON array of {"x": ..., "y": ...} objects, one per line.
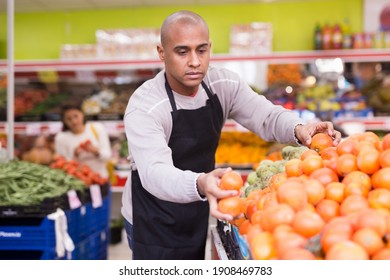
[{"x": 85, "y": 142}]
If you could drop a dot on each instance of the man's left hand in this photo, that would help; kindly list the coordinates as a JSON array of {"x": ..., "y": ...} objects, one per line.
[{"x": 304, "y": 133}]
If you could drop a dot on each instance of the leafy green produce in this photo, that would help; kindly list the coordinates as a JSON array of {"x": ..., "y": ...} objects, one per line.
[
  {"x": 290, "y": 152},
  {"x": 24, "y": 183}
]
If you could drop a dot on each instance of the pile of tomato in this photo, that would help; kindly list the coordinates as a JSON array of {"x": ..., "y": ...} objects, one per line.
[
  {"x": 80, "y": 171},
  {"x": 331, "y": 203}
]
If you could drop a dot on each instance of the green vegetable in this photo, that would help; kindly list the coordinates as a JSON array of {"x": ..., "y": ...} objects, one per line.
[{"x": 25, "y": 183}]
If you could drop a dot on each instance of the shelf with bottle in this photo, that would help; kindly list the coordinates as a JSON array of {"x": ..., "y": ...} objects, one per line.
[{"x": 71, "y": 66}]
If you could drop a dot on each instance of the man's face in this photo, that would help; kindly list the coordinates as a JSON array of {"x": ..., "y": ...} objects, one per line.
[{"x": 186, "y": 55}]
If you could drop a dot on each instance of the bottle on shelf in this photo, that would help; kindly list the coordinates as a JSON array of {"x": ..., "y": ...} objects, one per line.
[
  {"x": 317, "y": 37},
  {"x": 337, "y": 37},
  {"x": 347, "y": 34},
  {"x": 326, "y": 37}
]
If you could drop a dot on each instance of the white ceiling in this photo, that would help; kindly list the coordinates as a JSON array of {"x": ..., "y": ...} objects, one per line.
[{"x": 55, "y": 5}]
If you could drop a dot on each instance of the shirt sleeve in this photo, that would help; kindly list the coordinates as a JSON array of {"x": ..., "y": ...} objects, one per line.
[
  {"x": 153, "y": 158},
  {"x": 271, "y": 122}
]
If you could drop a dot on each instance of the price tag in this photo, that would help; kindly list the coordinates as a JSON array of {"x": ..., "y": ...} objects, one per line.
[
  {"x": 48, "y": 76},
  {"x": 96, "y": 196},
  {"x": 33, "y": 129},
  {"x": 86, "y": 76},
  {"x": 74, "y": 201}
]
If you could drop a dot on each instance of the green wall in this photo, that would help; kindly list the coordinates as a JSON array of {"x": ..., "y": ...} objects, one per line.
[{"x": 40, "y": 35}]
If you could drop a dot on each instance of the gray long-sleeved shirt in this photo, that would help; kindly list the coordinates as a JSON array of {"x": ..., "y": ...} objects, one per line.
[{"x": 148, "y": 125}]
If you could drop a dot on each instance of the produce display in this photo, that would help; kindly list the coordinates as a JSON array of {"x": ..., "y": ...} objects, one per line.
[
  {"x": 80, "y": 171},
  {"x": 286, "y": 74},
  {"x": 329, "y": 203},
  {"x": 25, "y": 183},
  {"x": 240, "y": 149}
]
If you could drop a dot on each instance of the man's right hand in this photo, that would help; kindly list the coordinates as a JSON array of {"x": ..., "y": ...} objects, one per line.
[{"x": 208, "y": 185}]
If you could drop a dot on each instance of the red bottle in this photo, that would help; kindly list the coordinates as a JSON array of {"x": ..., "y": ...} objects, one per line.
[{"x": 337, "y": 37}]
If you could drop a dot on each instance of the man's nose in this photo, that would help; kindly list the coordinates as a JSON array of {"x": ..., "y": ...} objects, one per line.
[{"x": 194, "y": 60}]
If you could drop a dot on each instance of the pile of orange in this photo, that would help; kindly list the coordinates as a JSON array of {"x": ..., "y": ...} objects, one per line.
[
  {"x": 331, "y": 204},
  {"x": 240, "y": 148}
]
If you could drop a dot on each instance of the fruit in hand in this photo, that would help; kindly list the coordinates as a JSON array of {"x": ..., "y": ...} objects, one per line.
[
  {"x": 233, "y": 205},
  {"x": 320, "y": 142},
  {"x": 231, "y": 180}
]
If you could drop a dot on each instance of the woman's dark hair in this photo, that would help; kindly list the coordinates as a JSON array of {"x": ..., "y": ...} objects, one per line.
[{"x": 66, "y": 108}]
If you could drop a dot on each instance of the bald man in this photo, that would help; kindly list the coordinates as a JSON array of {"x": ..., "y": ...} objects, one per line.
[{"x": 173, "y": 124}]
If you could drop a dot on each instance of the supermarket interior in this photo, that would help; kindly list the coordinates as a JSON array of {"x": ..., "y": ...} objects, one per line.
[{"x": 62, "y": 183}]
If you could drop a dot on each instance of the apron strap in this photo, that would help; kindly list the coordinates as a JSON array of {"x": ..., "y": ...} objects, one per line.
[
  {"x": 170, "y": 94},
  {"x": 172, "y": 98}
]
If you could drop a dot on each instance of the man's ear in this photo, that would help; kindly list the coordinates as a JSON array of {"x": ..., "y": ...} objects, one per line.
[{"x": 160, "y": 51}]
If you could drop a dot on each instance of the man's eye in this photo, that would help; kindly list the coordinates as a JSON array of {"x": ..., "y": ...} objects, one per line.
[{"x": 183, "y": 52}]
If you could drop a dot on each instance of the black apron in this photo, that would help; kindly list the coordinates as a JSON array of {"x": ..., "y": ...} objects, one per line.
[{"x": 168, "y": 230}]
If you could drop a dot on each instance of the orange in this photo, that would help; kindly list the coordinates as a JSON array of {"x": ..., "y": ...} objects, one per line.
[
  {"x": 337, "y": 229},
  {"x": 263, "y": 246},
  {"x": 363, "y": 146},
  {"x": 267, "y": 200},
  {"x": 278, "y": 215},
  {"x": 369, "y": 239},
  {"x": 307, "y": 153},
  {"x": 311, "y": 163},
  {"x": 277, "y": 180},
  {"x": 324, "y": 175},
  {"x": 244, "y": 227},
  {"x": 374, "y": 219},
  {"x": 384, "y": 158},
  {"x": 329, "y": 153},
  {"x": 253, "y": 230},
  {"x": 381, "y": 178},
  {"x": 386, "y": 142},
  {"x": 353, "y": 203},
  {"x": 289, "y": 241},
  {"x": 383, "y": 254},
  {"x": 315, "y": 191},
  {"x": 233, "y": 205},
  {"x": 231, "y": 180},
  {"x": 328, "y": 209},
  {"x": 346, "y": 163},
  {"x": 370, "y": 137},
  {"x": 331, "y": 163},
  {"x": 346, "y": 146},
  {"x": 346, "y": 250},
  {"x": 358, "y": 177},
  {"x": 293, "y": 193},
  {"x": 307, "y": 223},
  {"x": 282, "y": 230},
  {"x": 320, "y": 142},
  {"x": 379, "y": 199},
  {"x": 297, "y": 254},
  {"x": 335, "y": 191},
  {"x": 293, "y": 167},
  {"x": 355, "y": 188},
  {"x": 368, "y": 161},
  {"x": 251, "y": 208}
]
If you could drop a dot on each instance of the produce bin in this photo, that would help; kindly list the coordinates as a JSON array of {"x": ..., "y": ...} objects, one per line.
[{"x": 35, "y": 238}]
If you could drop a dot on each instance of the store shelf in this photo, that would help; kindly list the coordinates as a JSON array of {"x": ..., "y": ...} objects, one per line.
[
  {"x": 374, "y": 123},
  {"x": 36, "y": 128},
  {"x": 121, "y": 64},
  {"x": 117, "y": 127}
]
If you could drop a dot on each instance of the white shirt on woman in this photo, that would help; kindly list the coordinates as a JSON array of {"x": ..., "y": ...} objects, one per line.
[{"x": 66, "y": 142}]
